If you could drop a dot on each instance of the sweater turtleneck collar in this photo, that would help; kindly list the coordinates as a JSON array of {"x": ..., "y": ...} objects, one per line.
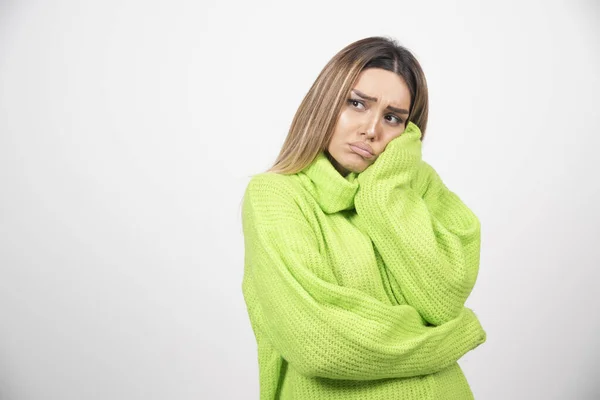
[{"x": 332, "y": 190}]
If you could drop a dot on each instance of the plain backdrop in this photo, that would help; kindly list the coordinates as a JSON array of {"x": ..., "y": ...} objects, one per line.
[{"x": 129, "y": 130}]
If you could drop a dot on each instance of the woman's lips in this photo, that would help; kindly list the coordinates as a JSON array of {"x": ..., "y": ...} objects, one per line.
[{"x": 358, "y": 149}]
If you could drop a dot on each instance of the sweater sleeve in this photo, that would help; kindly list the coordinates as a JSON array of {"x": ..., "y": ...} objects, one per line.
[
  {"x": 428, "y": 238},
  {"x": 324, "y": 329}
]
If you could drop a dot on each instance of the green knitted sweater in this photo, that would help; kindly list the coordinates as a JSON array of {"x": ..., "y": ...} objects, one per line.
[{"x": 355, "y": 286}]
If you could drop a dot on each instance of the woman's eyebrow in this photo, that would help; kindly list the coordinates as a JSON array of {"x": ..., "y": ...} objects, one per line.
[{"x": 371, "y": 98}]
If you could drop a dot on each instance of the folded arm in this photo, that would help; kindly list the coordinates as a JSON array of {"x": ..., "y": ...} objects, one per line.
[
  {"x": 428, "y": 238},
  {"x": 323, "y": 329}
]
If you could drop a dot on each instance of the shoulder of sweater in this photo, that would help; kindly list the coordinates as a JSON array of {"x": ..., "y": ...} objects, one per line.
[
  {"x": 272, "y": 180},
  {"x": 275, "y": 199},
  {"x": 274, "y": 187}
]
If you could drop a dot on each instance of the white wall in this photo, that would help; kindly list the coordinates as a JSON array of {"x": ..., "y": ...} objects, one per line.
[{"x": 128, "y": 131}]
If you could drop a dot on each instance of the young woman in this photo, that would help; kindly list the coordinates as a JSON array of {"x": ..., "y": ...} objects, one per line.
[{"x": 358, "y": 259}]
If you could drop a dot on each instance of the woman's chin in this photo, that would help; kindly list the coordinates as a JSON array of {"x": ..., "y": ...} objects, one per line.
[{"x": 357, "y": 167}]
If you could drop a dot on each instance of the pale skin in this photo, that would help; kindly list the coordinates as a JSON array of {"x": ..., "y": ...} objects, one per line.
[{"x": 369, "y": 121}]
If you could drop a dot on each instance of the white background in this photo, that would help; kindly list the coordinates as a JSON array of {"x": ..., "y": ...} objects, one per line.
[{"x": 129, "y": 130}]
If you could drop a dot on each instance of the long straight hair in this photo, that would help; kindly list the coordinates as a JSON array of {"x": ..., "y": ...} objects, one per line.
[{"x": 315, "y": 120}]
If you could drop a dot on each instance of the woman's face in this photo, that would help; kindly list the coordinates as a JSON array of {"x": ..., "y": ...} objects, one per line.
[{"x": 375, "y": 112}]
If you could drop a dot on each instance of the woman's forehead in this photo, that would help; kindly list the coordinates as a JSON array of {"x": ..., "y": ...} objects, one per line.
[{"x": 375, "y": 84}]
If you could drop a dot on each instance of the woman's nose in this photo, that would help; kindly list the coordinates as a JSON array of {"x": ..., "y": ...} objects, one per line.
[{"x": 371, "y": 128}]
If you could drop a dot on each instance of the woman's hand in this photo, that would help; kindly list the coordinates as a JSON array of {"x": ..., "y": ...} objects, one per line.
[{"x": 402, "y": 155}]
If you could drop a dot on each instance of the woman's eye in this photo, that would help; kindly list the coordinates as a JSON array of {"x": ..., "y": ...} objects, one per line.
[
  {"x": 398, "y": 120},
  {"x": 355, "y": 103}
]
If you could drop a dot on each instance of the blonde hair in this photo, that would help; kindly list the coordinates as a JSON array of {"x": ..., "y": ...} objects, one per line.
[{"x": 314, "y": 122}]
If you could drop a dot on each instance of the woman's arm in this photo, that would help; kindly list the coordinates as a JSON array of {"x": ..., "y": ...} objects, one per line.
[
  {"x": 323, "y": 329},
  {"x": 428, "y": 238}
]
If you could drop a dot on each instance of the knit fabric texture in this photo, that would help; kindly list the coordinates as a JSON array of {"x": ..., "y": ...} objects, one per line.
[{"x": 355, "y": 286}]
